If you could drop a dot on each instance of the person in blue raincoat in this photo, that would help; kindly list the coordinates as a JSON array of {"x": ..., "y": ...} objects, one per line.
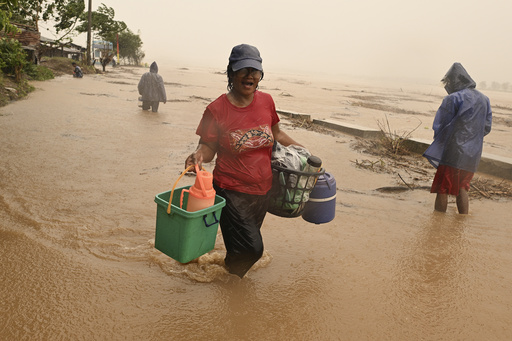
[
  {"x": 460, "y": 124},
  {"x": 77, "y": 71},
  {"x": 151, "y": 88}
]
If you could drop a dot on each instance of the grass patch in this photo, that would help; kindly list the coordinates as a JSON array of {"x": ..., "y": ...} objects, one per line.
[{"x": 10, "y": 90}]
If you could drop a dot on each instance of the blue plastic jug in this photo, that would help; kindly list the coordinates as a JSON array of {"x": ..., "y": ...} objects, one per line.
[{"x": 321, "y": 206}]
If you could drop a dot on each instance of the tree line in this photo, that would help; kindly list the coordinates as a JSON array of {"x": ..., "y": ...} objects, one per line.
[{"x": 69, "y": 18}]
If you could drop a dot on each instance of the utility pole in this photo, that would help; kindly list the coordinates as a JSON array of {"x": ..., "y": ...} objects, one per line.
[{"x": 89, "y": 19}]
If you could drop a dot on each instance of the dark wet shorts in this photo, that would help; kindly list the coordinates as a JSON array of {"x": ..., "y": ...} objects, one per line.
[
  {"x": 240, "y": 222},
  {"x": 449, "y": 180}
]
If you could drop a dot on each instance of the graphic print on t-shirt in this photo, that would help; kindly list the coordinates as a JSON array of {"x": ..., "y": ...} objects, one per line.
[{"x": 248, "y": 139}]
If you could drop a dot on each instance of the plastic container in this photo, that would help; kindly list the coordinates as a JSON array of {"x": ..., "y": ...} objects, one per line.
[
  {"x": 184, "y": 235},
  {"x": 287, "y": 197},
  {"x": 313, "y": 165},
  {"x": 321, "y": 206},
  {"x": 201, "y": 194}
]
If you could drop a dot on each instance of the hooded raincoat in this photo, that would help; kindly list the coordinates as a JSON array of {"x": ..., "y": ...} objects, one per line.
[
  {"x": 460, "y": 124},
  {"x": 151, "y": 86}
]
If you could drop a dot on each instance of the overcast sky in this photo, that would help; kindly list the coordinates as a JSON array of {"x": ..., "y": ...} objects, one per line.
[{"x": 372, "y": 38}]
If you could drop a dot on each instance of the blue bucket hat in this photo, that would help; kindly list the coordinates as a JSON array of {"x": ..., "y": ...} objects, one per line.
[{"x": 244, "y": 55}]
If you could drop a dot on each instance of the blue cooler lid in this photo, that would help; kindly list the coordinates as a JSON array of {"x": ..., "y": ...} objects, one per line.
[{"x": 325, "y": 186}]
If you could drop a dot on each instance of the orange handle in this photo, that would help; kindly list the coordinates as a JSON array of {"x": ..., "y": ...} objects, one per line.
[
  {"x": 181, "y": 197},
  {"x": 173, "y": 187},
  {"x": 200, "y": 178}
]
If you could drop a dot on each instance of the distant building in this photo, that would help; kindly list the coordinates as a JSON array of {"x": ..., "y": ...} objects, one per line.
[
  {"x": 51, "y": 48},
  {"x": 101, "y": 48},
  {"x": 28, "y": 37},
  {"x": 38, "y": 47}
]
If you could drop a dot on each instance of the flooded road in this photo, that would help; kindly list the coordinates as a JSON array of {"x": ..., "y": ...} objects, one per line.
[{"x": 80, "y": 167}]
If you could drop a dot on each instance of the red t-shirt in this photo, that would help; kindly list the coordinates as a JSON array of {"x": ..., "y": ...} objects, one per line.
[{"x": 244, "y": 142}]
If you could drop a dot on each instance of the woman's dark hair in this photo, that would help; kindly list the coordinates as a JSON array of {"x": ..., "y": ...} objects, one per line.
[{"x": 231, "y": 74}]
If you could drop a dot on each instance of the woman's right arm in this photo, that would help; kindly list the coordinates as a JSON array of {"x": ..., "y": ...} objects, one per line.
[{"x": 205, "y": 152}]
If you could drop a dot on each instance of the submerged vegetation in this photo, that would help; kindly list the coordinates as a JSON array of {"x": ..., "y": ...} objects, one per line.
[
  {"x": 11, "y": 90},
  {"x": 392, "y": 140}
]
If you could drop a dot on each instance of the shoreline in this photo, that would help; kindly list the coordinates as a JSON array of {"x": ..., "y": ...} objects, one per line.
[
  {"x": 498, "y": 165},
  {"x": 490, "y": 164}
]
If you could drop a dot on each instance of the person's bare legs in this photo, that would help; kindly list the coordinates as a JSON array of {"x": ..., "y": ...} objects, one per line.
[
  {"x": 463, "y": 201},
  {"x": 441, "y": 202}
]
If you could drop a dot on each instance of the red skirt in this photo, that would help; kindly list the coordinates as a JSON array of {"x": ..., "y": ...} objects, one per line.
[{"x": 449, "y": 180}]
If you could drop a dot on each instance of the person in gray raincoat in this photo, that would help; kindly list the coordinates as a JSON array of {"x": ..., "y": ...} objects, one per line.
[
  {"x": 151, "y": 88},
  {"x": 460, "y": 124}
]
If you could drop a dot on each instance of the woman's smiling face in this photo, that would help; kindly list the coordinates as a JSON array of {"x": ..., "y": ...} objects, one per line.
[{"x": 245, "y": 81}]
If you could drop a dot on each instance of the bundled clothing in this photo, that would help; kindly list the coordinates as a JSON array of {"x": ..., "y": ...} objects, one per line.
[
  {"x": 151, "y": 88},
  {"x": 460, "y": 124}
]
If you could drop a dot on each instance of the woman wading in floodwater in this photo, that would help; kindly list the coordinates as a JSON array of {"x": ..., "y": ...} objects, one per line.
[{"x": 240, "y": 127}]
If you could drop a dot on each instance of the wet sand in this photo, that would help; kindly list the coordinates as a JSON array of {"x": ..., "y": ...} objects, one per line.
[{"x": 81, "y": 165}]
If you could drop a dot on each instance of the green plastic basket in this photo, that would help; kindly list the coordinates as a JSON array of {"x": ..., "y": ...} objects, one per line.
[{"x": 184, "y": 235}]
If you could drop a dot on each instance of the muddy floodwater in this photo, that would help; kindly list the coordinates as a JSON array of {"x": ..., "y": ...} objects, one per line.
[{"x": 81, "y": 163}]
